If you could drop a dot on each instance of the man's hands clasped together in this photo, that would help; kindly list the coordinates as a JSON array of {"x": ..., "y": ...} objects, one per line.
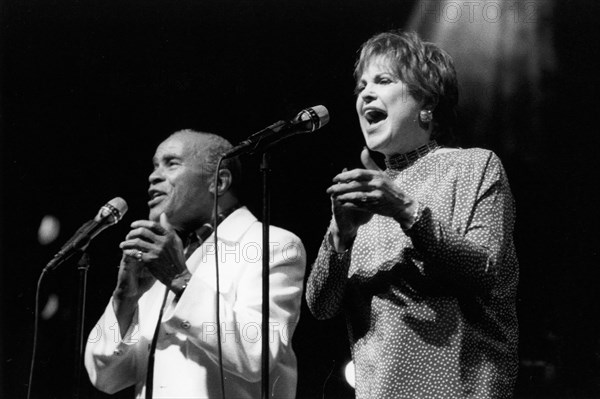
[{"x": 151, "y": 250}]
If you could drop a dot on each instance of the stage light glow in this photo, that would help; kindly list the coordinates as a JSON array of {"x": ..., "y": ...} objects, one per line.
[
  {"x": 48, "y": 230},
  {"x": 349, "y": 373},
  {"x": 51, "y": 307}
]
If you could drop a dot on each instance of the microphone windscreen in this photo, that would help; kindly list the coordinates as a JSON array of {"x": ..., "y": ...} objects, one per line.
[
  {"x": 114, "y": 210},
  {"x": 323, "y": 114},
  {"x": 317, "y": 115},
  {"x": 119, "y": 204}
]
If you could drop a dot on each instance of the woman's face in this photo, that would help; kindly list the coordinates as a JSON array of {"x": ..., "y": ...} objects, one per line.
[{"x": 388, "y": 114}]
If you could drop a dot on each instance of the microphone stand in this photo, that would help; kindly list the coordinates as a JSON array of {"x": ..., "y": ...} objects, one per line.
[
  {"x": 264, "y": 168},
  {"x": 82, "y": 266}
]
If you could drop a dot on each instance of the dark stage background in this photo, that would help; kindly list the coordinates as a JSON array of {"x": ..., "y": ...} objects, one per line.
[{"x": 89, "y": 88}]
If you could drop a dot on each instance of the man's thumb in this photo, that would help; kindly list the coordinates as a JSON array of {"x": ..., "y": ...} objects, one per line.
[
  {"x": 164, "y": 222},
  {"x": 367, "y": 161}
]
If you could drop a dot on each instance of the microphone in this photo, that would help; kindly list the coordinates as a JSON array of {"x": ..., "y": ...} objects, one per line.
[
  {"x": 108, "y": 215},
  {"x": 308, "y": 120}
]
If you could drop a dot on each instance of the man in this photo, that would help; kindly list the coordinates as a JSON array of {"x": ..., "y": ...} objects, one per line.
[{"x": 155, "y": 275}]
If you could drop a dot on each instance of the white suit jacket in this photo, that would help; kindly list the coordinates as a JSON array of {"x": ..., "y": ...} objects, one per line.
[{"x": 186, "y": 359}]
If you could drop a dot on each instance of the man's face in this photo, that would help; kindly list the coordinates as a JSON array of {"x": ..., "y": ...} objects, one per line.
[{"x": 179, "y": 184}]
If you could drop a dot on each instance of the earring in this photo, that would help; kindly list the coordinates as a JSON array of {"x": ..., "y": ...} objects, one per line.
[{"x": 425, "y": 116}]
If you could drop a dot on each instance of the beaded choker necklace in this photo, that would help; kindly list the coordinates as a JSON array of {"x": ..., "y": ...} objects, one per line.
[{"x": 401, "y": 161}]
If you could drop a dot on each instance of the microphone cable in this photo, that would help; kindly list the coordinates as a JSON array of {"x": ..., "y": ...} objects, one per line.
[
  {"x": 327, "y": 379},
  {"x": 217, "y": 281},
  {"x": 36, "y": 313},
  {"x": 215, "y": 223},
  {"x": 207, "y": 230}
]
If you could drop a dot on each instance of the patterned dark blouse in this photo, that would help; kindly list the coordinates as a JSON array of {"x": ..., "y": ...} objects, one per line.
[{"x": 431, "y": 311}]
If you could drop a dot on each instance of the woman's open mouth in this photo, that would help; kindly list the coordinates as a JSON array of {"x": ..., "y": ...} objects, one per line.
[{"x": 374, "y": 117}]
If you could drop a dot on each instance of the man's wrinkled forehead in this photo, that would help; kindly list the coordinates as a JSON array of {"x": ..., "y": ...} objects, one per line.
[{"x": 183, "y": 145}]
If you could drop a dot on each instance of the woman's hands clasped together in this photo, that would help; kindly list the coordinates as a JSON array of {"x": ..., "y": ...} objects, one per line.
[{"x": 358, "y": 194}]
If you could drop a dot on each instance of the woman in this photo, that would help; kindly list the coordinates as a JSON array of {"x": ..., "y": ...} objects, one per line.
[{"x": 419, "y": 257}]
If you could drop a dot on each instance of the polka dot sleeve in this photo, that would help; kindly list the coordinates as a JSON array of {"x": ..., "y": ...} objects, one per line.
[
  {"x": 327, "y": 281},
  {"x": 469, "y": 258}
]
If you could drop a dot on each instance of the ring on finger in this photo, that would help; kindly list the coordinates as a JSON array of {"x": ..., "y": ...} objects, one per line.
[
  {"x": 138, "y": 255},
  {"x": 363, "y": 199}
]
